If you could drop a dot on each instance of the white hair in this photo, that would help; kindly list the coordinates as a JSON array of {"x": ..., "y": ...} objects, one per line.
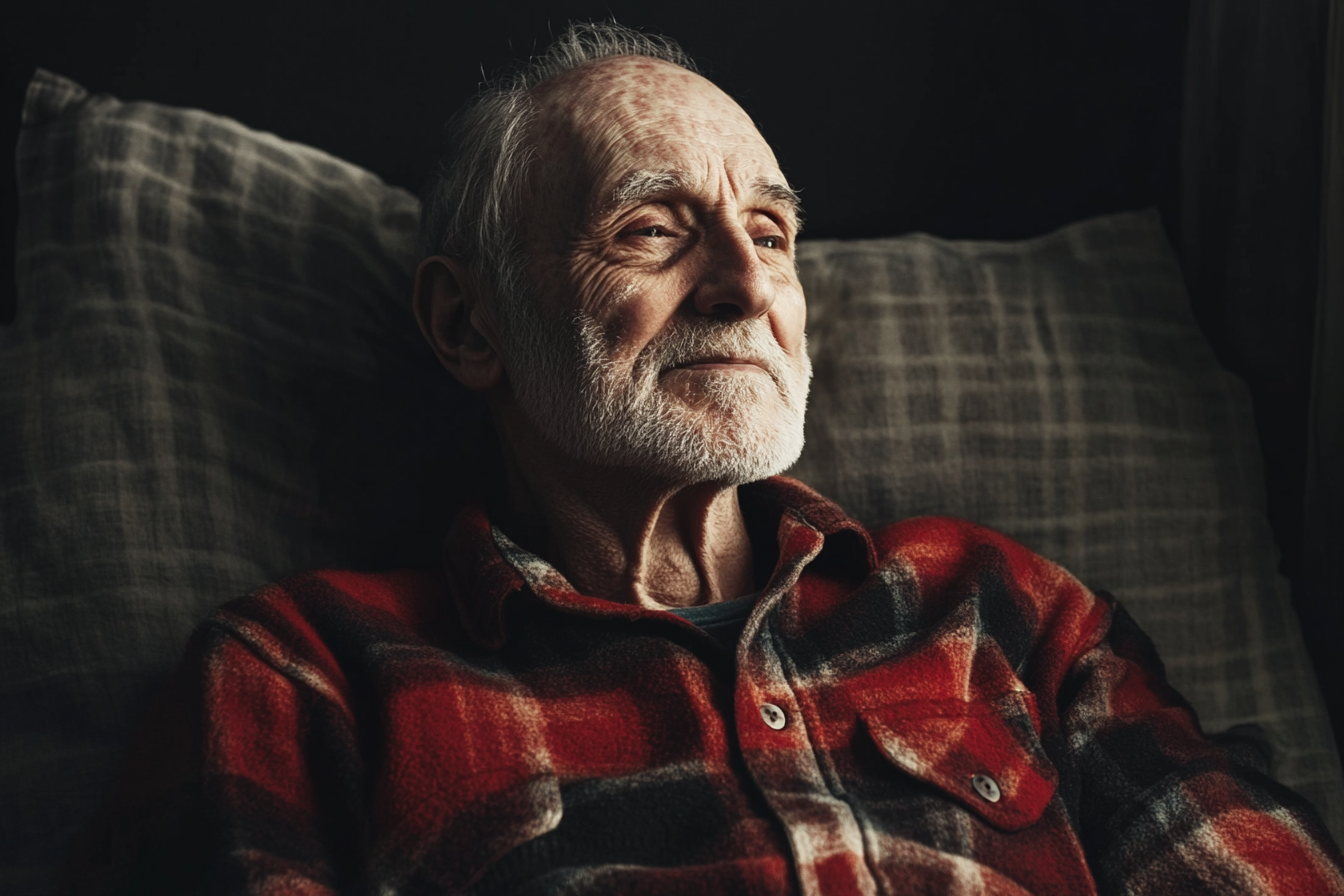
[{"x": 473, "y": 200}]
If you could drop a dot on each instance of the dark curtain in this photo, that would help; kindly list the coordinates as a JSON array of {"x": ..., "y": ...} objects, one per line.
[
  {"x": 1323, "y": 588},
  {"x": 1260, "y": 242}
]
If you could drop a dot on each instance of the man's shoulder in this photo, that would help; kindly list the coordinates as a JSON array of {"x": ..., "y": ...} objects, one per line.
[
  {"x": 946, "y": 536},
  {"x": 930, "y": 534},
  {"x": 313, "y": 613},
  {"x": 401, "y": 593},
  {"x": 953, "y": 558},
  {"x": 933, "y": 546}
]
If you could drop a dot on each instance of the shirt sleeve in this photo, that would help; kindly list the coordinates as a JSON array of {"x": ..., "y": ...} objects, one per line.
[
  {"x": 1163, "y": 809},
  {"x": 239, "y": 780}
]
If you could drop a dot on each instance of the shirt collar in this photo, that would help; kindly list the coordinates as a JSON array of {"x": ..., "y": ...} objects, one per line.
[{"x": 485, "y": 568}]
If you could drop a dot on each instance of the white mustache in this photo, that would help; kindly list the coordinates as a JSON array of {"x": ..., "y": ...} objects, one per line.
[{"x": 740, "y": 340}]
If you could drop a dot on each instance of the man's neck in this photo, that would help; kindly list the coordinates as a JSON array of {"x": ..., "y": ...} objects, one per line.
[{"x": 621, "y": 536}]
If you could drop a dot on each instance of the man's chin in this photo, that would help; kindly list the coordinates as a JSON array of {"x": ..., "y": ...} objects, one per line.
[
  {"x": 738, "y": 387},
  {"x": 716, "y": 449},
  {"x": 735, "y": 453}
]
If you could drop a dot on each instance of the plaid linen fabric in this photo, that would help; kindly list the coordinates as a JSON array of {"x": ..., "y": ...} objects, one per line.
[{"x": 929, "y": 709}]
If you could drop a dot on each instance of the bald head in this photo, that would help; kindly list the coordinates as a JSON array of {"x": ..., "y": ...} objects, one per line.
[
  {"x": 594, "y": 107},
  {"x": 621, "y": 130}
]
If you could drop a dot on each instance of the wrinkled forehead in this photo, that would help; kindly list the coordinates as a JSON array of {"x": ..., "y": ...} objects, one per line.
[
  {"x": 610, "y": 117},
  {"x": 636, "y": 89}
]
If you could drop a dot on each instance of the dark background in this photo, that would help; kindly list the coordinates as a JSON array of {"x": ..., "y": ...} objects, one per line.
[
  {"x": 995, "y": 119},
  {"x": 965, "y": 118}
]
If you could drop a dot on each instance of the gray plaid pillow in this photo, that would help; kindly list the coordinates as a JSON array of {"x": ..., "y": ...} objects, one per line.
[
  {"x": 214, "y": 379},
  {"x": 1058, "y": 390}
]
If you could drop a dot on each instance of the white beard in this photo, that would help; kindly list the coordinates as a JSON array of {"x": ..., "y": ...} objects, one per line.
[{"x": 739, "y": 426}]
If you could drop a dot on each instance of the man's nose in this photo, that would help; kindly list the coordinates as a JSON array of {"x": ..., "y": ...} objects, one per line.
[{"x": 735, "y": 284}]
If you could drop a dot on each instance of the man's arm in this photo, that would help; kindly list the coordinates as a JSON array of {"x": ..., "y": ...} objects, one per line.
[
  {"x": 238, "y": 781},
  {"x": 1161, "y": 808}
]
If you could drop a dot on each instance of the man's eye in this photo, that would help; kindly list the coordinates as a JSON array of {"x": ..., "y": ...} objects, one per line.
[
  {"x": 651, "y": 230},
  {"x": 769, "y": 242}
]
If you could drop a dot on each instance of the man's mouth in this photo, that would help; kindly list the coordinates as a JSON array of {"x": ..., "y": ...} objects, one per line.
[{"x": 721, "y": 362}]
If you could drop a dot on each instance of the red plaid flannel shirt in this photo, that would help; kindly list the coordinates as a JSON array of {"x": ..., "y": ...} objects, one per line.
[{"x": 490, "y": 730}]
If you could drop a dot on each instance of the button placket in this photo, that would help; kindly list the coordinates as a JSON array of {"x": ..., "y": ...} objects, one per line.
[{"x": 784, "y": 762}]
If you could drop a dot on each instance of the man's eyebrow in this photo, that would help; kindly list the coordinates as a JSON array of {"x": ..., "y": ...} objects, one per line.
[
  {"x": 640, "y": 186},
  {"x": 781, "y": 194},
  {"x": 635, "y": 188}
]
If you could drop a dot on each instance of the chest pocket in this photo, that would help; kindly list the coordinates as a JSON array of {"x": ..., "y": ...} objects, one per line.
[{"x": 985, "y": 755}]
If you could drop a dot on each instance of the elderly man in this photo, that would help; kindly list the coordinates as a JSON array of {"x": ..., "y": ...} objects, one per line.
[{"x": 635, "y": 671}]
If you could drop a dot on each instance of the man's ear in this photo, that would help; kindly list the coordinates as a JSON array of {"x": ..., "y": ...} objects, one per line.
[{"x": 458, "y": 325}]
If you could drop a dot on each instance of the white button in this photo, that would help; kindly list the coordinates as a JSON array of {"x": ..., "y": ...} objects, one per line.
[
  {"x": 773, "y": 715},
  {"x": 987, "y": 787}
]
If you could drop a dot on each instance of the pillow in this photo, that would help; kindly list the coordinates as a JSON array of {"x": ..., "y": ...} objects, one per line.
[
  {"x": 214, "y": 380},
  {"x": 1059, "y": 390}
]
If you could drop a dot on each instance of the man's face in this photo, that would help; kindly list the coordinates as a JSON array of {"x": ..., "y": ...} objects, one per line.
[{"x": 663, "y": 325}]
